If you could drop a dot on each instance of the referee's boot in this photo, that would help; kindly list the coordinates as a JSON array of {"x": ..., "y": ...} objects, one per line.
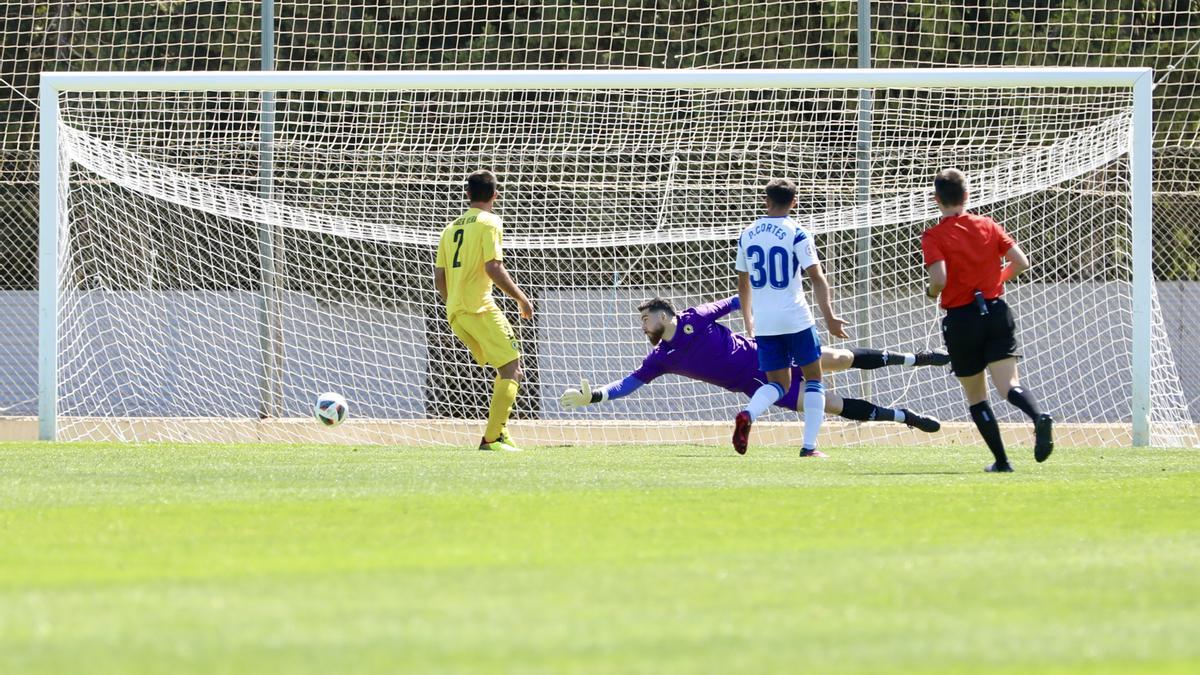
[{"x": 1043, "y": 432}]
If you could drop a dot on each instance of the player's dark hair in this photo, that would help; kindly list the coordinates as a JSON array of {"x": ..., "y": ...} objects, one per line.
[
  {"x": 481, "y": 185},
  {"x": 781, "y": 191},
  {"x": 657, "y": 305},
  {"x": 950, "y": 185}
]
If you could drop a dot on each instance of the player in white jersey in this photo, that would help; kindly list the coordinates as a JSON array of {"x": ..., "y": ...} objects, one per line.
[{"x": 772, "y": 255}]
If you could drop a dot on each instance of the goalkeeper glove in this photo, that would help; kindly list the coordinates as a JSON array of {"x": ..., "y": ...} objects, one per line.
[{"x": 577, "y": 398}]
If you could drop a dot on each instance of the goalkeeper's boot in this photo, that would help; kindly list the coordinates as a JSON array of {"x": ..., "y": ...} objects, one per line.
[
  {"x": 497, "y": 445},
  {"x": 812, "y": 452},
  {"x": 927, "y": 424},
  {"x": 1043, "y": 431},
  {"x": 997, "y": 467},
  {"x": 932, "y": 357},
  {"x": 741, "y": 432}
]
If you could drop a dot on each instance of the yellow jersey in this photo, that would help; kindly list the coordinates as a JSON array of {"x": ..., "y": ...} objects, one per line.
[{"x": 466, "y": 244}]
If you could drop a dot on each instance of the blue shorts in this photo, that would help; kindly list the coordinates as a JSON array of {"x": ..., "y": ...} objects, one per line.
[{"x": 785, "y": 351}]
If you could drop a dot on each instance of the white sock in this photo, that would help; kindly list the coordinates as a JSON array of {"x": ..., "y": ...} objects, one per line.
[
  {"x": 763, "y": 398},
  {"x": 899, "y": 415},
  {"x": 814, "y": 412},
  {"x": 910, "y": 359}
]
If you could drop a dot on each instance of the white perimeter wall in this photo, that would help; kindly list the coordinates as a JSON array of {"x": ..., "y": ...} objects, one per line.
[{"x": 176, "y": 354}]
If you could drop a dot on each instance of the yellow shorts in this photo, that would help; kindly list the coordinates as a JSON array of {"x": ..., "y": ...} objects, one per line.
[{"x": 488, "y": 335}]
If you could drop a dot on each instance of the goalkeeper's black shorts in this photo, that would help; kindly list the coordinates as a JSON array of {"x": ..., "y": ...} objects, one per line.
[{"x": 975, "y": 339}]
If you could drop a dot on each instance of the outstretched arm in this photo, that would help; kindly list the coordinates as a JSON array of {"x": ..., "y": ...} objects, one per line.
[
  {"x": 575, "y": 398},
  {"x": 715, "y": 310}
]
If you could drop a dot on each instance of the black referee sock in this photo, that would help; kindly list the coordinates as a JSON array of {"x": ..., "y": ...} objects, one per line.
[
  {"x": 1025, "y": 401},
  {"x": 985, "y": 421},
  {"x": 870, "y": 359},
  {"x": 864, "y": 411}
]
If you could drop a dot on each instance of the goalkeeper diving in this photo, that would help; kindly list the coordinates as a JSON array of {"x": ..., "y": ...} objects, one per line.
[{"x": 692, "y": 343}]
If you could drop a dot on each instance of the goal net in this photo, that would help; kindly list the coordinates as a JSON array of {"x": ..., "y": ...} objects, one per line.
[{"x": 208, "y": 289}]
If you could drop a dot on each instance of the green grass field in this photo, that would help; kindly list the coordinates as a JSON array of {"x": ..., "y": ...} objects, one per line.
[{"x": 619, "y": 560}]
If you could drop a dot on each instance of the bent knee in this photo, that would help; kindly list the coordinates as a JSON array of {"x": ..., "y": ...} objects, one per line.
[{"x": 833, "y": 358}]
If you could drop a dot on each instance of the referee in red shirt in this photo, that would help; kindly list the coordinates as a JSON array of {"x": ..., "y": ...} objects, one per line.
[{"x": 963, "y": 255}]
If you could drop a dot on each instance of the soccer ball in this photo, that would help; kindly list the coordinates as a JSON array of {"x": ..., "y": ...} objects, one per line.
[{"x": 331, "y": 409}]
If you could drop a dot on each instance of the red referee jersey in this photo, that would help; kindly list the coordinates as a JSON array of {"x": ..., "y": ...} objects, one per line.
[{"x": 972, "y": 246}]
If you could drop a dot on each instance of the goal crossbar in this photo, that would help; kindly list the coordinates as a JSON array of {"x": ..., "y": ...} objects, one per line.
[
  {"x": 1138, "y": 80},
  {"x": 380, "y": 80}
]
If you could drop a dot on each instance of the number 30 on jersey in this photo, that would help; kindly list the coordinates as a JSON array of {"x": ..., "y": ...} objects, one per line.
[{"x": 768, "y": 267}]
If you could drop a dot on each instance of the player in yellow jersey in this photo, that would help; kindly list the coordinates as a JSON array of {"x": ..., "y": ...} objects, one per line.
[{"x": 469, "y": 261}]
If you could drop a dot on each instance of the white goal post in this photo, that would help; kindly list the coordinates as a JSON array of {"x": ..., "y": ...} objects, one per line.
[{"x": 1137, "y": 81}]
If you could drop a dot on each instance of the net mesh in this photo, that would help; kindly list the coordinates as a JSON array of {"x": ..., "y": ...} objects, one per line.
[
  {"x": 60, "y": 35},
  {"x": 169, "y": 312}
]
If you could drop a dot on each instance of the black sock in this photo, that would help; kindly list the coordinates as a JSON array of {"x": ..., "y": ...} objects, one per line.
[
  {"x": 870, "y": 359},
  {"x": 1025, "y": 401},
  {"x": 864, "y": 411},
  {"x": 857, "y": 409},
  {"x": 985, "y": 421},
  {"x": 883, "y": 414}
]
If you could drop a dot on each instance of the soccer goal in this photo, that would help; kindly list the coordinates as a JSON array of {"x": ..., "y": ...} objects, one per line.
[{"x": 218, "y": 248}]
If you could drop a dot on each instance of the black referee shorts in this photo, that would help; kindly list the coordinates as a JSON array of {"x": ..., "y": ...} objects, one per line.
[{"x": 975, "y": 340}]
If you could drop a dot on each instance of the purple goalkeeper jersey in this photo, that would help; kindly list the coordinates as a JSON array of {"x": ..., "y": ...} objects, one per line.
[{"x": 705, "y": 350}]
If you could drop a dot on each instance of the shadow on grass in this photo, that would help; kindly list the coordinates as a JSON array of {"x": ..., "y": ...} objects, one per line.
[{"x": 912, "y": 473}]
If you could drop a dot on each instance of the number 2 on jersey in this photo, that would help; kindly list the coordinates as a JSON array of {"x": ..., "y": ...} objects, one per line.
[
  {"x": 458, "y": 239},
  {"x": 768, "y": 266}
]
